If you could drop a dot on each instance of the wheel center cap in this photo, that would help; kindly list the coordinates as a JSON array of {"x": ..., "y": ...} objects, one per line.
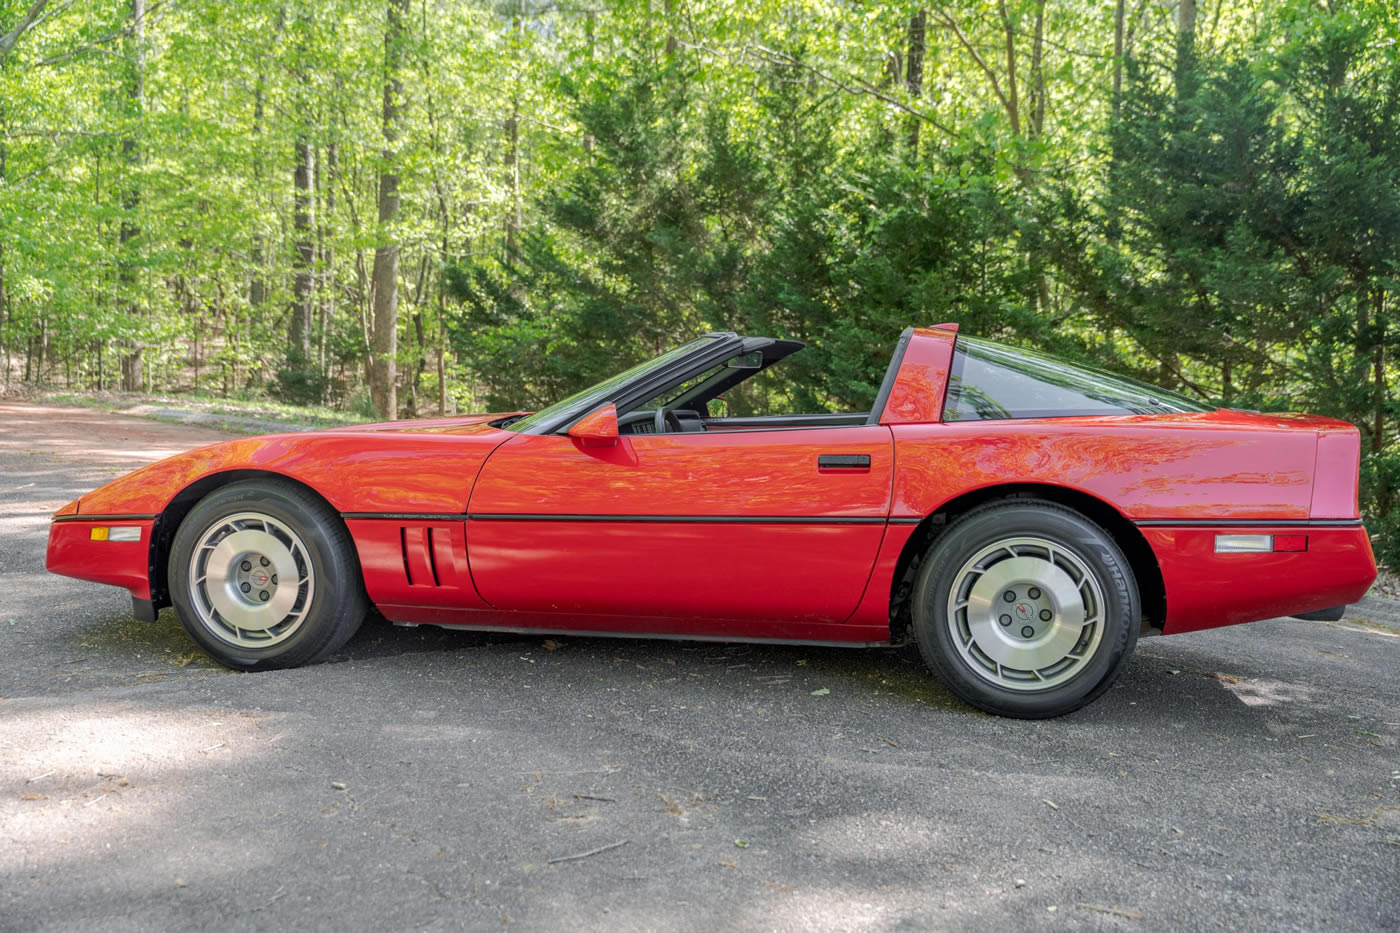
[
  {"x": 1023, "y": 611},
  {"x": 261, "y": 578}
]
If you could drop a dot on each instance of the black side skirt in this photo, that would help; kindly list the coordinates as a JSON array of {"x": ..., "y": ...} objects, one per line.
[{"x": 1322, "y": 615}]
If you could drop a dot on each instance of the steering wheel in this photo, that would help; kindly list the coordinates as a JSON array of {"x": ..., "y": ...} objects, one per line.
[{"x": 664, "y": 417}]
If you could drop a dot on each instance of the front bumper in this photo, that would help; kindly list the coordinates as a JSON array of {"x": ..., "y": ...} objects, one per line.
[
  {"x": 1206, "y": 589},
  {"x": 72, "y": 552}
]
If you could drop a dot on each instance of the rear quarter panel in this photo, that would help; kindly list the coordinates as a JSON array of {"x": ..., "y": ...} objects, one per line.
[{"x": 1216, "y": 465}]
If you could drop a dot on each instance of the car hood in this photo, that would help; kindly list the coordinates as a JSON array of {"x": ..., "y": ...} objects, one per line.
[
  {"x": 397, "y": 467},
  {"x": 462, "y": 424}
]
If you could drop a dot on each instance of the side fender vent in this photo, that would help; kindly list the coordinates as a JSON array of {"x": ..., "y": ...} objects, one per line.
[{"x": 432, "y": 556}]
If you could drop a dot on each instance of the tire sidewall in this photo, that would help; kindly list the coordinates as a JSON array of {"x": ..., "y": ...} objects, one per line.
[
  {"x": 1089, "y": 543},
  {"x": 328, "y": 563}
]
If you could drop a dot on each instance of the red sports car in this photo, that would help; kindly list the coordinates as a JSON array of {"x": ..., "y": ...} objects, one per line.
[{"x": 1021, "y": 518}]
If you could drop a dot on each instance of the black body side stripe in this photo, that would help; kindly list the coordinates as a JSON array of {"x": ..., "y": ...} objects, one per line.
[
  {"x": 656, "y": 519},
  {"x": 410, "y": 516},
  {"x": 1247, "y": 523},
  {"x": 763, "y": 519},
  {"x": 103, "y": 518}
]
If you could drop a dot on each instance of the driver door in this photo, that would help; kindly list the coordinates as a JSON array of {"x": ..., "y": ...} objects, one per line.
[{"x": 779, "y": 524}]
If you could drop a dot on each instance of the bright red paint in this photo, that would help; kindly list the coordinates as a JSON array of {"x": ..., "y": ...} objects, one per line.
[
  {"x": 120, "y": 563},
  {"x": 1223, "y": 465},
  {"x": 598, "y": 429},
  {"x": 1206, "y": 590},
  {"x": 666, "y": 534},
  {"x": 922, "y": 382}
]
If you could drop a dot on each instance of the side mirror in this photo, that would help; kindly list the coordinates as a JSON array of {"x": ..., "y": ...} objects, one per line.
[{"x": 597, "y": 428}]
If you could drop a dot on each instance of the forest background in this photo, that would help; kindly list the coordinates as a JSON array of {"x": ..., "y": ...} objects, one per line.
[{"x": 406, "y": 207}]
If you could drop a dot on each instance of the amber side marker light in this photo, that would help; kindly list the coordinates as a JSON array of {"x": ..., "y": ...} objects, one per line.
[
  {"x": 115, "y": 533},
  {"x": 1260, "y": 544}
]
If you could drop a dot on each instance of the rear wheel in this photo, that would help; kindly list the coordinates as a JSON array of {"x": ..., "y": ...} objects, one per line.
[
  {"x": 1026, "y": 608},
  {"x": 262, "y": 573}
]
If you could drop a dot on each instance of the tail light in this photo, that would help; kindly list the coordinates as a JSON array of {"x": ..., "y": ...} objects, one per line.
[
  {"x": 1337, "y": 479},
  {"x": 1260, "y": 544}
]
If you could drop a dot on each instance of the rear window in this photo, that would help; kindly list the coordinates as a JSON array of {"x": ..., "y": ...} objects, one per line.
[{"x": 990, "y": 381}]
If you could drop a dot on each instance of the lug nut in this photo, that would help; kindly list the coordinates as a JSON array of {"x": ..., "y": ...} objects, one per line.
[
  {"x": 1005, "y": 620},
  {"x": 246, "y": 565},
  {"x": 244, "y": 587},
  {"x": 1027, "y": 631},
  {"x": 263, "y": 560},
  {"x": 1034, "y": 593},
  {"x": 274, "y": 578},
  {"x": 1045, "y": 614},
  {"x": 1009, "y": 596},
  {"x": 262, "y": 594}
]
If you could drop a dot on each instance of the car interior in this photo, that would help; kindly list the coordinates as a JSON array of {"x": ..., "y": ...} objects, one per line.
[{"x": 740, "y": 394}]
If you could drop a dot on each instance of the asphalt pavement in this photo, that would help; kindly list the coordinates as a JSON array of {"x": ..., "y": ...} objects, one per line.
[{"x": 1240, "y": 779}]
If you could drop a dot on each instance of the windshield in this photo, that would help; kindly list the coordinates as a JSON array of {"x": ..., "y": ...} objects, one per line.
[
  {"x": 991, "y": 381},
  {"x": 581, "y": 403}
]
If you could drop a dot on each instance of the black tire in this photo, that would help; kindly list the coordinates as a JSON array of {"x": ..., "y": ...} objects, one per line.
[
  {"x": 300, "y": 534},
  {"x": 1062, "y": 541}
]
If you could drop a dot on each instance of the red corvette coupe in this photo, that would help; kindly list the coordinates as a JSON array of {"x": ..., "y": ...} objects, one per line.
[{"x": 1021, "y": 518}]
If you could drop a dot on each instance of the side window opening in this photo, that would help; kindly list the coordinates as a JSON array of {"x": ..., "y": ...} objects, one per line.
[{"x": 991, "y": 382}]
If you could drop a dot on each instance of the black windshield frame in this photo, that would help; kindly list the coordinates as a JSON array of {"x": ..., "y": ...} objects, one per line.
[{"x": 641, "y": 381}]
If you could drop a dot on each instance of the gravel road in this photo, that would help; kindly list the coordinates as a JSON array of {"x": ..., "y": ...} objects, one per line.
[{"x": 1242, "y": 779}]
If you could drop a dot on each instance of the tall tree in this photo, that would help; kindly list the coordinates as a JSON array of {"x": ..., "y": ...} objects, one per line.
[
  {"x": 131, "y": 361},
  {"x": 303, "y": 172},
  {"x": 385, "y": 280},
  {"x": 914, "y": 74}
]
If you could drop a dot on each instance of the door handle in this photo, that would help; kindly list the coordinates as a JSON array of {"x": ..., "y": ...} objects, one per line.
[{"x": 843, "y": 461}]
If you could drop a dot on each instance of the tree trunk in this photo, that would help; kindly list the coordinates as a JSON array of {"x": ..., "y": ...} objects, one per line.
[
  {"x": 671, "y": 43},
  {"x": 257, "y": 285},
  {"x": 442, "y": 380},
  {"x": 257, "y": 288},
  {"x": 1037, "y": 78},
  {"x": 512, "y": 166},
  {"x": 299, "y": 329},
  {"x": 1119, "y": 13},
  {"x": 1013, "y": 101},
  {"x": 385, "y": 278},
  {"x": 1384, "y": 491},
  {"x": 326, "y": 176},
  {"x": 1115, "y": 224},
  {"x": 1378, "y": 371},
  {"x": 131, "y": 361},
  {"x": 914, "y": 75},
  {"x": 421, "y": 353},
  {"x": 1185, "y": 49}
]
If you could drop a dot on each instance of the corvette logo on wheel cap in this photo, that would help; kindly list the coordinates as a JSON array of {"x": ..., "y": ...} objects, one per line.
[{"x": 1023, "y": 611}]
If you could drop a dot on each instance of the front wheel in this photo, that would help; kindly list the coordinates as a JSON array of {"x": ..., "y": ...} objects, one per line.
[
  {"x": 1027, "y": 609},
  {"x": 264, "y": 574}
]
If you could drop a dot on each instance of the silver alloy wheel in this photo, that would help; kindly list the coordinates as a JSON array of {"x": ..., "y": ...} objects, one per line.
[
  {"x": 251, "y": 581},
  {"x": 1026, "y": 613}
]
